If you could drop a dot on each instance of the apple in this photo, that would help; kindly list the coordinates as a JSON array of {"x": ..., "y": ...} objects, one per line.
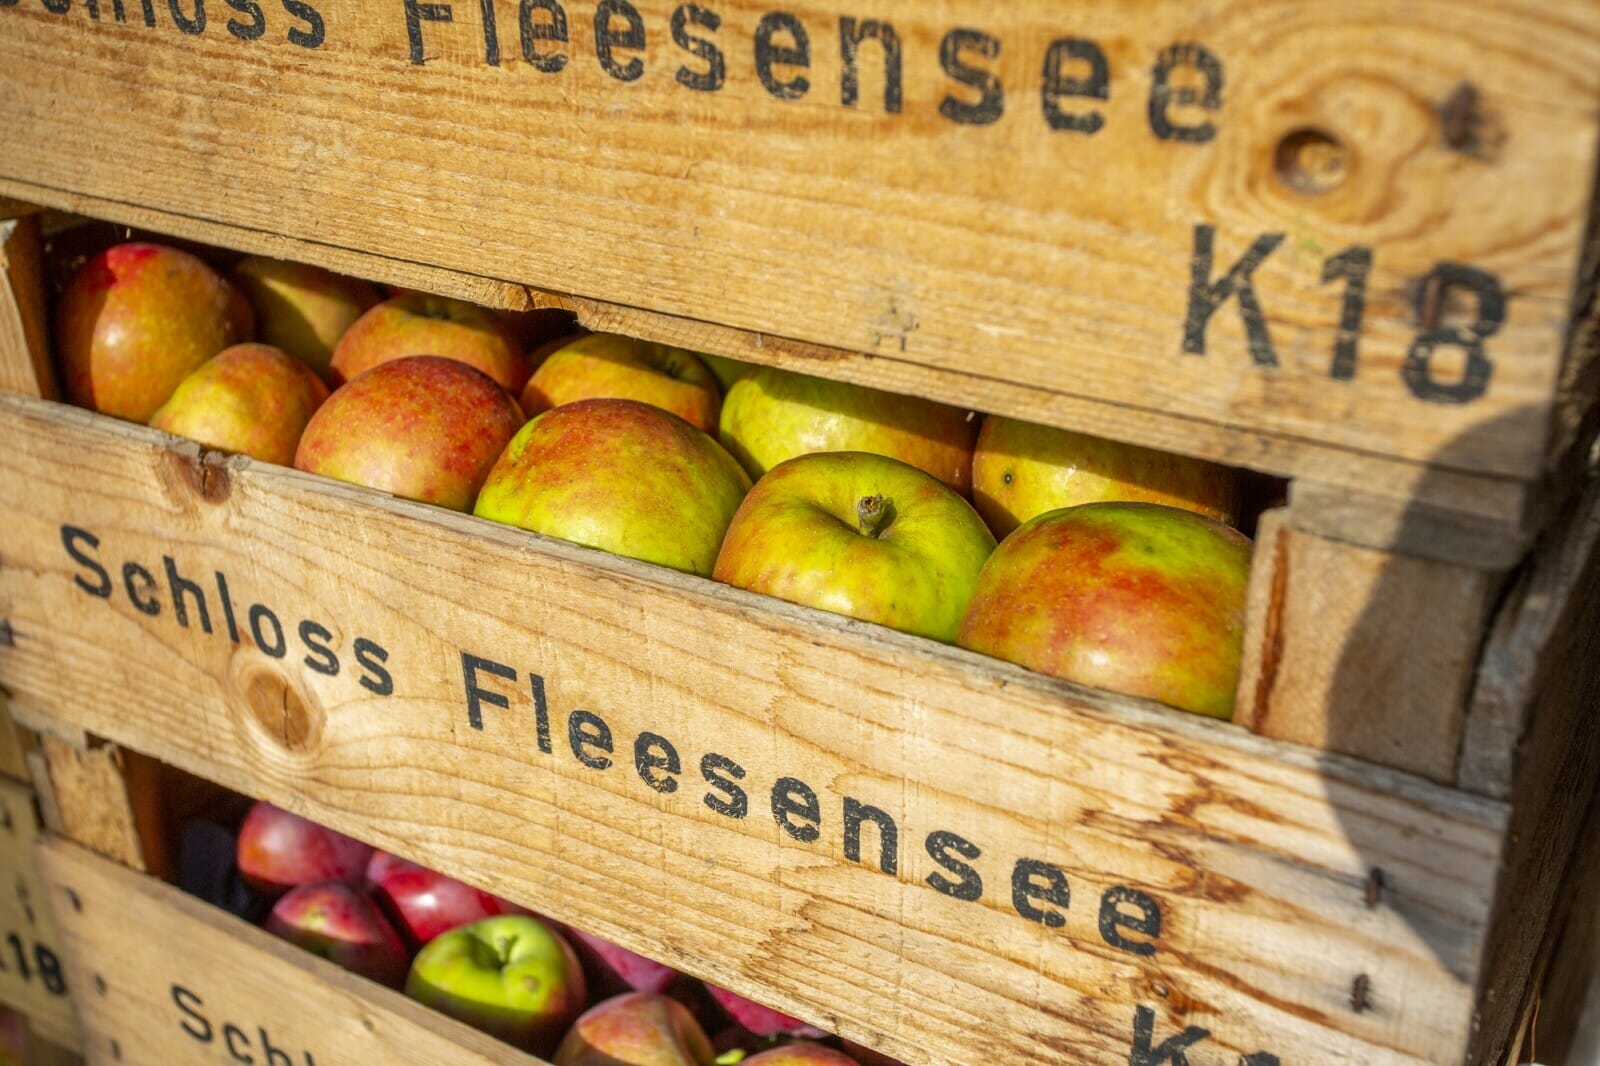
[
  {"x": 611, "y": 967},
  {"x": 136, "y": 320},
  {"x": 861, "y": 535},
  {"x": 423, "y": 427},
  {"x": 620, "y": 476},
  {"x": 800, "y": 1054},
  {"x": 279, "y": 850},
  {"x": 1020, "y": 470},
  {"x": 865, "y": 1056},
  {"x": 636, "y": 1029},
  {"x": 300, "y": 308},
  {"x": 251, "y": 398},
  {"x": 335, "y": 920},
  {"x": 420, "y": 324},
  {"x": 762, "y": 1021},
  {"x": 1137, "y": 598},
  {"x": 771, "y": 415},
  {"x": 726, "y": 370},
  {"x": 425, "y": 903},
  {"x": 608, "y": 364},
  {"x": 511, "y": 976}
]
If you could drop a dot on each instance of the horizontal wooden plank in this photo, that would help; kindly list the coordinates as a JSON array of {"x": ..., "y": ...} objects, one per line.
[
  {"x": 31, "y": 975},
  {"x": 1153, "y": 175},
  {"x": 169, "y": 979},
  {"x": 630, "y": 788}
]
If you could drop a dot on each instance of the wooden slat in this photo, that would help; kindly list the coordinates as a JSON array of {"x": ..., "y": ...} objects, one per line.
[
  {"x": 165, "y": 976},
  {"x": 1258, "y": 855},
  {"x": 25, "y": 365},
  {"x": 1565, "y": 1028},
  {"x": 90, "y": 799},
  {"x": 31, "y": 975}
]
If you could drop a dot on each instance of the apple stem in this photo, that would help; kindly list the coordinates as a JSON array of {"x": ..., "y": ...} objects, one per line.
[{"x": 874, "y": 513}]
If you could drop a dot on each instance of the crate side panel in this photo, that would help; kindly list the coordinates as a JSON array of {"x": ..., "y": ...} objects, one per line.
[{"x": 31, "y": 975}]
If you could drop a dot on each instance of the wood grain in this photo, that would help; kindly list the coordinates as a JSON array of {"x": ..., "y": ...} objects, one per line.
[
  {"x": 167, "y": 994},
  {"x": 25, "y": 365},
  {"x": 30, "y": 947},
  {"x": 1257, "y": 854}
]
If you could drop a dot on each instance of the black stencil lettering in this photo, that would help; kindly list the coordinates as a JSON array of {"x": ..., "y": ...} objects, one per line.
[
  {"x": 1172, "y": 1050},
  {"x": 92, "y": 5},
  {"x": 720, "y": 772},
  {"x": 553, "y": 30},
  {"x": 1259, "y": 1058},
  {"x": 796, "y": 54},
  {"x": 58, "y": 7},
  {"x": 193, "y": 25},
  {"x": 247, "y": 31},
  {"x": 605, "y": 38},
  {"x": 191, "y": 1011},
  {"x": 541, "y": 713},
  {"x": 71, "y": 537},
  {"x": 1113, "y": 919},
  {"x": 851, "y": 34},
  {"x": 1205, "y": 295},
  {"x": 1164, "y": 97},
  {"x": 321, "y": 658},
  {"x": 140, "y": 597},
  {"x": 491, "y": 33},
  {"x": 314, "y": 33},
  {"x": 9, "y": 3},
  {"x": 149, "y": 7},
  {"x": 49, "y": 967},
  {"x": 652, "y": 752},
  {"x": 792, "y": 796},
  {"x": 990, "y": 104},
  {"x": 1353, "y": 265},
  {"x": 710, "y": 79},
  {"x": 237, "y": 1051},
  {"x": 476, "y": 696},
  {"x": 1093, "y": 84},
  {"x": 371, "y": 656},
  {"x": 180, "y": 586},
  {"x": 1432, "y": 296},
  {"x": 940, "y": 844},
  {"x": 274, "y": 1056},
  {"x": 416, "y": 14},
  {"x": 227, "y": 606},
  {"x": 856, "y": 812},
  {"x": 276, "y": 646},
  {"x": 585, "y": 730},
  {"x": 1034, "y": 880}
]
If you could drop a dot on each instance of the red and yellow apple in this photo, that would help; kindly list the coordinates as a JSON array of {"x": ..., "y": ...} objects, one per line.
[
  {"x": 136, "y": 320},
  {"x": 424, "y": 903},
  {"x": 760, "y": 1020},
  {"x": 278, "y": 850},
  {"x": 620, "y": 476},
  {"x": 609, "y": 364},
  {"x": 613, "y": 969},
  {"x": 251, "y": 398},
  {"x": 771, "y": 415},
  {"x": 423, "y": 427},
  {"x": 800, "y": 1054},
  {"x": 636, "y": 1029},
  {"x": 861, "y": 535},
  {"x": 419, "y": 324},
  {"x": 1137, "y": 598},
  {"x": 336, "y": 920},
  {"x": 300, "y": 308}
]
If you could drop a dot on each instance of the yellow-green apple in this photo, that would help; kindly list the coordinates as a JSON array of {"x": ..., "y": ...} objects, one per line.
[
  {"x": 1020, "y": 469},
  {"x": 511, "y": 976},
  {"x": 336, "y": 920},
  {"x": 725, "y": 370},
  {"x": 279, "y": 850},
  {"x": 770, "y": 415},
  {"x": 800, "y": 1054},
  {"x": 621, "y": 476},
  {"x": 136, "y": 320},
  {"x": 613, "y": 969},
  {"x": 862, "y": 535},
  {"x": 419, "y": 324},
  {"x": 250, "y": 398},
  {"x": 1137, "y": 598},
  {"x": 423, "y": 427},
  {"x": 760, "y": 1020},
  {"x": 609, "y": 364},
  {"x": 300, "y": 308},
  {"x": 636, "y": 1029},
  {"x": 423, "y": 903}
]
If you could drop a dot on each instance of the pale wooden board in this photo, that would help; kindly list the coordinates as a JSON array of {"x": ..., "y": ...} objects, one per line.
[
  {"x": 1051, "y": 258},
  {"x": 24, "y": 346},
  {"x": 28, "y": 932},
  {"x": 133, "y": 942},
  {"x": 1258, "y": 853}
]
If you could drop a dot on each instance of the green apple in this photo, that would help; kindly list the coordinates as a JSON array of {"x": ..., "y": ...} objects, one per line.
[
  {"x": 771, "y": 415},
  {"x": 510, "y": 976},
  {"x": 608, "y": 364},
  {"x": 636, "y": 1029},
  {"x": 417, "y": 323},
  {"x": 861, "y": 535},
  {"x": 1137, "y": 598},
  {"x": 300, "y": 308},
  {"x": 726, "y": 370},
  {"x": 251, "y": 398},
  {"x": 620, "y": 476},
  {"x": 1020, "y": 469}
]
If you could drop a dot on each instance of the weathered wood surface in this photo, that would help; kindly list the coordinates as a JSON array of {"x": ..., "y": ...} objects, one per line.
[
  {"x": 169, "y": 979},
  {"x": 640, "y": 804},
  {"x": 32, "y": 978},
  {"x": 24, "y": 336}
]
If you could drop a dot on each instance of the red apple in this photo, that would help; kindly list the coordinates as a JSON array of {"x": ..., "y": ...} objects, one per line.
[
  {"x": 614, "y": 969},
  {"x": 619, "y": 476},
  {"x": 771, "y": 415},
  {"x": 335, "y": 920},
  {"x": 278, "y": 850},
  {"x": 420, "y": 324},
  {"x": 762, "y": 1021},
  {"x": 607, "y": 364},
  {"x": 300, "y": 308},
  {"x": 1020, "y": 470},
  {"x": 423, "y": 427},
  {"x": 636, "y": 1029},
  {"x": 1133, "y": 597},
  {"x": 861, "y": 535},
  {"x": 800, "y": 1054},
  {"x": 425, "y": 903},
  {"x": 251, "y": 398},
  {"x": 865, "y": 1056},
  {"x": 136, "y": 320}
]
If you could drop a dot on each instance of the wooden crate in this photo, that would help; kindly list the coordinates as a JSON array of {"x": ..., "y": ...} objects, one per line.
[{"x": 33, "y": 978}]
